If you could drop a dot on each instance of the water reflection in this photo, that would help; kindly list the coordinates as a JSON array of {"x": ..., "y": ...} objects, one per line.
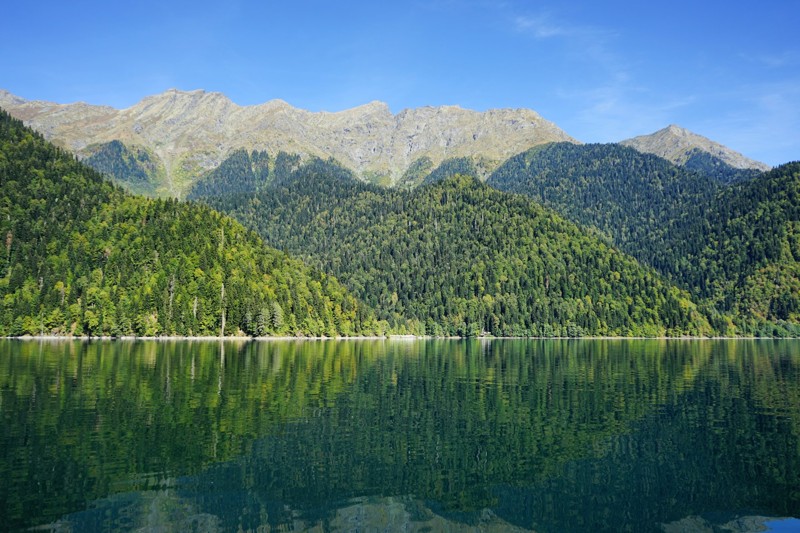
[{"x": 534, "y": 435}]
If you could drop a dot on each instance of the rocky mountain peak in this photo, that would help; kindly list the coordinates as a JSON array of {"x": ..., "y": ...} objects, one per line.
[
  {"x": 677, "y": 144},
  {"x": 674, "y": 129},
  {"x": 7, "y": 99}
]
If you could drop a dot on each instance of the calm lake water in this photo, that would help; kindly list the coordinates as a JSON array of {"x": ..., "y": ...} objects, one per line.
[{"x": 506, "y": 435}]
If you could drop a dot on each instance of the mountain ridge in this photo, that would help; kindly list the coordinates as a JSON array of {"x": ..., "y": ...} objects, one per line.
[{"x": 191, "y": 132}]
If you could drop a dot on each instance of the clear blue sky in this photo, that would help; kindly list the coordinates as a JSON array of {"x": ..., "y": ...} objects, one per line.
[{"x": 601, "y": 70}]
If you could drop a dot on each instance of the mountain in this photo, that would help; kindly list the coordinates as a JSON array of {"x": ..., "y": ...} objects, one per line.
[
  {"x": 632, "y": 197},
  {"x": 458, "y": 257},
  {"x": 82, "y": 256},
  {"x": 188, "y": 134},
  {"x": 240, "y": 172},
  {"x": 733, "y": 247},
  {"x": 744, "y": 254},
  {"x": 134, "y": 168},
  {"x": 695, "y": 152}
]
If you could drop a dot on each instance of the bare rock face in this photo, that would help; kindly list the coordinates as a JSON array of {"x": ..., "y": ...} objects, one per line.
[
  {"x": 192, "y": 132},
  {"x": 676, "y": 144}
]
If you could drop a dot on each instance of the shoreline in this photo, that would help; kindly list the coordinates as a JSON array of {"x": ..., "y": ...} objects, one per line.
[{"x": 405, "y": 338}]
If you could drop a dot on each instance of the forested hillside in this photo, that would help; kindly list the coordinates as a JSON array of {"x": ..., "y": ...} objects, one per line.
[
  {"x": 716, "y": 168},
  {"x": 634, "y": 198},
  {"x": 732, "y": 246},
  {"x": 134, "y": 169},
  {"x": 451, "y": 167},
  {"x": 458, "y": 257},
  {"x": 81, "y": 256},
  {"x": 243, "y": 172},
  {"x": 744, "y": 256}
]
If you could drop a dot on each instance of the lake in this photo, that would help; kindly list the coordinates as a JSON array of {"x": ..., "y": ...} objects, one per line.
[{"x": 412, "y": 435}]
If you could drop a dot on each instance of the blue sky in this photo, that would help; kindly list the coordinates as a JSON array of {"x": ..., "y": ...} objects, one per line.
[{"x": 601, "y": 70}]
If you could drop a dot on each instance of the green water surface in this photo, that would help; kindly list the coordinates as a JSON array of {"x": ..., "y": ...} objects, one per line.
[{"x": 421, "y": 435}]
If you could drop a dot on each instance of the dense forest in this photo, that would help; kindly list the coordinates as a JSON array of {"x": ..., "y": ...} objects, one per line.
[
  {"x": 744, "y": 254},
  {"x": 415, "y": 173},
  {"x": 636, "y": 199},
  {"x": 734, "y": 247},
  {"x": 133, "y": 168},
  {"x": 81, "y": 256},
  {"x": 451, "y": 167},
  {"x": 243, "y": 172},
  {"x": 714, "y": 167},
  {"x": 460, "y": 258}
]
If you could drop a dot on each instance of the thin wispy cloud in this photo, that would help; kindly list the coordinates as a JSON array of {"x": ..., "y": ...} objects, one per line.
[
  {"x": 546, "y": 25},
  {"x": 586, "y": 44},
  {"x": 608, "y": 95},
  {"x": 540, "y": 26}
]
